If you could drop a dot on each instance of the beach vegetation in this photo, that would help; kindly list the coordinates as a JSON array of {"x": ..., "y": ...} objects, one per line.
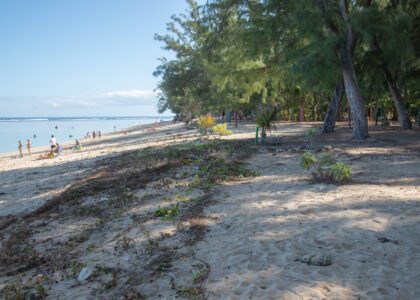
[
  {"x": 221, "y": 129},
  {"x": 205, "y": 123},
  {"x": 340, "y": 172},
  {"x": 325, "y": 168},
  {"x": 40, "y": 291},
  {"x": 168, "y": 213},
  {"x": 223, "y": 62},
  {"x": 265, "y": 119},
  {"x": 74, "y": 269},
  {"x": 201, "y": 273},
  {"x": 190, "y": 293}
]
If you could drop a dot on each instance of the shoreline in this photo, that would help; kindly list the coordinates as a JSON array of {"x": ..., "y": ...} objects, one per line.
[{"x": 68, "y": 143}]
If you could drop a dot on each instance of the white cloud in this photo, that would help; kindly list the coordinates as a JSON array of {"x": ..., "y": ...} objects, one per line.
[
  {"x": 114, "y": 98},
  {"x": 131, "y": 94}
]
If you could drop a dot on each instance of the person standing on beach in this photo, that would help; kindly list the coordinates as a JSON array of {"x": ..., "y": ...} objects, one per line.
[
  {"x": 53, "y": 142},
  {"x": 20, "y": 146},
  {"x": 93, "y": 134},
  {"x": 28, "y": 146},
  {"x": 99, "y": 134}
]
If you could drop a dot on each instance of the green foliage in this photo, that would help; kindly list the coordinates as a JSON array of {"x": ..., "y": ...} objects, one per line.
[
  {"x": 240, "y": 55},
  {"x": 40, "y": 291},
  {"x": 325, "y": 168},
  {"x": 205, "y": 123},
  {"x": 326, "y": 159},
  {"x": 265, "y": 118},
  {"x": 221, "y": 129},
  {"x": 200, "y": 274},
  {"x": 168, "y": 213},
  {"x": 308, "y": 160},
  {"x": 340, "y": 172}
]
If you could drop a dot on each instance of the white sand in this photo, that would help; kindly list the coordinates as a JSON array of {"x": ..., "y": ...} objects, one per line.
[
  {"x": 27, "y": 183},
  {"x": 258, "y": 227}
]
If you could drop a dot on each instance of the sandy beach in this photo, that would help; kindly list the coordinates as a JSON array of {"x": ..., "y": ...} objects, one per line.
[{"x": 166, "y": 214}]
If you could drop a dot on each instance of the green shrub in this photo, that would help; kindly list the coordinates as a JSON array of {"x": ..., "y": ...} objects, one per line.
[
  {"x": 326, "y": 159},
  {"x": 265, "y": 118},
  {"x": 221, "y": 129},
  {"x": 205, "y": 123},
  {"x": 308, "y": 160},
  {"x": 340, "y": 172},
  {"x": 325, "y": 168},
  {"x": 168, "y": 213}
]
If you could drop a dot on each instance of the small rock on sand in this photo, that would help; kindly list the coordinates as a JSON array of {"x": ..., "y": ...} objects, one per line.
[
  {"x": 316, "y": 259},
  {"x": 84, "y": 274}
]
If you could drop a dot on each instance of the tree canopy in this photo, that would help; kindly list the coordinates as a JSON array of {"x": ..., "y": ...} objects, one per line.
[{"x": 293, "y": 54}]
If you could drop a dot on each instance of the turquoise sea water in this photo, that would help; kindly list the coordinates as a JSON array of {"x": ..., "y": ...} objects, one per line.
[{"x": 14, "y": 129}]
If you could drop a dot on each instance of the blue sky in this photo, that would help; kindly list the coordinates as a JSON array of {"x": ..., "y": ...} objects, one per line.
[{"x": 81, "y": 57}]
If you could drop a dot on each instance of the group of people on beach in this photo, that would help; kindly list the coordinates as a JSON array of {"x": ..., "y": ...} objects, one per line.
[
  {"x": 55, "y": 148},
  {"x": 94, "y": 134},
  {"x": 28, "y": 147}
]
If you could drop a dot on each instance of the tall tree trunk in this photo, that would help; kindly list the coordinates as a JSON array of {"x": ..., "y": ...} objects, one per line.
[
  {"x": 301, "y": 116},
  {"x": 358, "y": 111},
  {"x": 357, "y": 104},
  {"x": 399, "y": 102},
  {"x": 314, "y": 112},
  {"x": 332, "y": 112}
]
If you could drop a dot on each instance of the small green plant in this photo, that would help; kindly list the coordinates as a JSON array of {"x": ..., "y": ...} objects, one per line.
[
  {"x": 325, "y": 168},
  {"x": 265, "y": 119},
  {"x": 168, "y": 213},
  {"x": 40, "y": 291},
  {"x": 326, "y": 159},
  {"x": 340, "y": 172},
  {"x": 75, "y": 268},
  {"x": 205, "y": 123},
  {"x": 308, "y": 160},
  {"x": 190, "y": 293},
  {"x": 200, "y": 274},
  {"x": 221, "y": 129}
]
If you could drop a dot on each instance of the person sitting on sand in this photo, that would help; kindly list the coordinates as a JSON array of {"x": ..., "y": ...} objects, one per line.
[
  {"x": 78, "y": 146},
  {"x": 28, "y": 146},
  {"x": 20, "y": 146},
  {"x": 53, "y": 142},
  {"x": 58, "y": 149},
  {"x": 49, "y": 154}
]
